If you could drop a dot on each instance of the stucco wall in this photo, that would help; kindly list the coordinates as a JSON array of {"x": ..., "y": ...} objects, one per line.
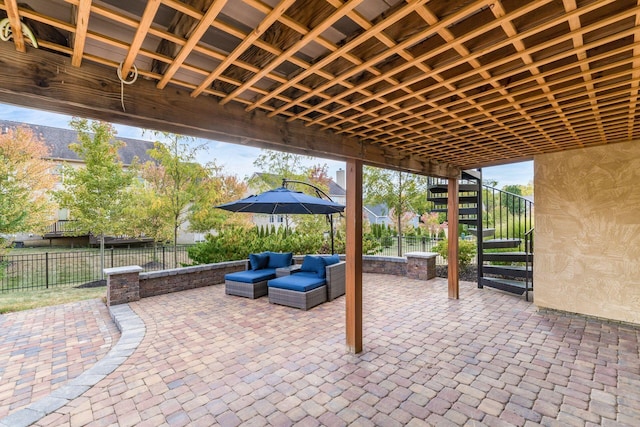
[{"x": 587, "y": 238}]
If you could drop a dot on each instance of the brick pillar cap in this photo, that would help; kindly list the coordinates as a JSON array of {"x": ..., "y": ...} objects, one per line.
[
  {"x": 123, "y": 270},
  {"x": 421, "y": 254}
]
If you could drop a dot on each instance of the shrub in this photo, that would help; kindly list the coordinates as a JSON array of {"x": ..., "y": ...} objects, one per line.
[{"x": 466, "y": 251}]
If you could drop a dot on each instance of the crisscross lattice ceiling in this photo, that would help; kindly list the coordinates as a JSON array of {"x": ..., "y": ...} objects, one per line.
[{"x": 460, "y": 82}]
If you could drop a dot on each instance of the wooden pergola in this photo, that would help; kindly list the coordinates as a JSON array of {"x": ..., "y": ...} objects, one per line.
[{"x": 428, "y": 87}]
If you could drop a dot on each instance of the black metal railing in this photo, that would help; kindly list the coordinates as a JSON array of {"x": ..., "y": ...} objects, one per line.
[
  {"x": 508, "y": 215},
  {"x": 51, "y": 269},
  {"x": 528, "y": 248}
]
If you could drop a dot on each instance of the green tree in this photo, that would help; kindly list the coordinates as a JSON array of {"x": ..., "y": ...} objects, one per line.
[
  {"x": 215, "y": 189},
  {"x": 97, "y": 195},
  {"x": 25, "y": 181},
  {"x": 401, "y": 192},
  {"x": 172, "y": 184}
]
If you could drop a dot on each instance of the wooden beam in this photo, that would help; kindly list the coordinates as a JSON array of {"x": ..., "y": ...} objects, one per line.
[
  {"x": 452, "y": 256},
  {"x": 45, "y": 80},
  {"x": 354, "y": 256}
]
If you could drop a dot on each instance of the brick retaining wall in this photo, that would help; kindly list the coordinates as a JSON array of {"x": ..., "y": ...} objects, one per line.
[
  {"x": 126, "y": 284},
  {"x": 180, "y": 279}
]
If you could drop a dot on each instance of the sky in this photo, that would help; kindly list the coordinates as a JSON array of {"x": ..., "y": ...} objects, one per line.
[{"x": 238, "y": 159}]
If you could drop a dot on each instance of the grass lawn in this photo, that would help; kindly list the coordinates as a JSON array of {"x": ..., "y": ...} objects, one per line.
[{"x": 26, "y": 300}]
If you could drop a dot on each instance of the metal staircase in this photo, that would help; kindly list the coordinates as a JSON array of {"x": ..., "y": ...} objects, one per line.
[{"x": 505, "y": 224}]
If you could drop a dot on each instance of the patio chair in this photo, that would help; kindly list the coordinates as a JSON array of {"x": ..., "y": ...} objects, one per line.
[
  {"x": 319, "y": 279},
  {"x": 252, "y": 283}
]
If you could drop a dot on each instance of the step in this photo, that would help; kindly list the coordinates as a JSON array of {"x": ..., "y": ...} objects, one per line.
[
  {"x": 506, "y": 256},
  {"x": 519, "y": 271},
  {"x": 486, "y": 232},
  {"x": 501, "y": 243},
  {"x": 461, "y": 211},
  {"x": 445, "y": 200},
  {"x": 512, "y": 286},
  {"x": 462, "y": 188}
]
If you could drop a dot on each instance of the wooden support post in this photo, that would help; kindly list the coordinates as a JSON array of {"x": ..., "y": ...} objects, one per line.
[
  {"x": 354, "y": 256},
  {"x": 452, "y": 218}
]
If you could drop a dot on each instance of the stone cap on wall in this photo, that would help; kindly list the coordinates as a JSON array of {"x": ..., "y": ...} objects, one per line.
[
  {"x": 421, "y": 254},
  {"x": 123, "y": 270}
]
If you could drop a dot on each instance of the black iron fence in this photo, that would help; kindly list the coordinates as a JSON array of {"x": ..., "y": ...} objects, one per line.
[
  {"x": 49, "y": 269},
  {"x": 389, "y": 246}
]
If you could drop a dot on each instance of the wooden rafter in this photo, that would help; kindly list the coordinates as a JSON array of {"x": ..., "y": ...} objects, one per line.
[
  {"x": 16, "y": 25},
  {"x": 143, "y": 28},
  {"x": 80, "y": 36}
]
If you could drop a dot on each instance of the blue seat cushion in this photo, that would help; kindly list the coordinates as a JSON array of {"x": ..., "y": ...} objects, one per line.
[
  {"x": 280, "y": 259},
  {"x": 314, "y": 264},
  {"x": 251, "y": 276},
  {"x": 299, "y": 282}
]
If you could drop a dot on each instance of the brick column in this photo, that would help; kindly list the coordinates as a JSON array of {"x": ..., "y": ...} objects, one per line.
[
  {"x": 123, "y": 284},
  {"x": 421, "y": 265}
]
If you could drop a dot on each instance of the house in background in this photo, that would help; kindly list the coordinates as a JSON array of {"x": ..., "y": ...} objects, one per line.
[
  {"x": 61, "y": 231},
  {"x": 336, "y": 191}
]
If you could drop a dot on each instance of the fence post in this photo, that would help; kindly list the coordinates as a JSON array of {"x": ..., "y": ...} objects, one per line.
[
  {"x": 46, "y": 269},
  {"x": 111, "y": 256},
  {"x": 163, "y": 261}
]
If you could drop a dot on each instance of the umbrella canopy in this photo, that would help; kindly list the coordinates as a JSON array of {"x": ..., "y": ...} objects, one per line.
[{"x": 283, "y": 201}]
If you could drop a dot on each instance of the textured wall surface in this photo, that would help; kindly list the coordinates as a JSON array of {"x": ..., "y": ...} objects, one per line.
[{"x": 587, "y": 238}]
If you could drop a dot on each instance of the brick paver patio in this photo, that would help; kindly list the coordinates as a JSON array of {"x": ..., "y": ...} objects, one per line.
[
  {"x": 40, "y": 350},
  {"x": 486, "y": 359}
]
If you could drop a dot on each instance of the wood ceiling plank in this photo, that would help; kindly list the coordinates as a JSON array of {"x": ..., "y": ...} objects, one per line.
[
  {"x": 337, "y": 124},
  {"x": 247, "y": 42},
  {"x": 347, "y": 47},
  {"x": 311, "y": 35},
  {"x": 194, "y": 38},
  {"x": 405, "y": 44}
]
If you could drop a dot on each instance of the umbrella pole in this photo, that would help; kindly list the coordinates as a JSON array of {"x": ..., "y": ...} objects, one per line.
[{"x": 331, "y": 223}]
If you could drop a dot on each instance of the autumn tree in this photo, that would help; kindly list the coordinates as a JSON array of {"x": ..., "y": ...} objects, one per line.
[
  {"x": 25, "y": 183},
  {"x": 401, "y": 192},
  {"x": 98, "y": 194},
  {"x": 217, "y": 188},
  {"x": 172, "y": 183}
]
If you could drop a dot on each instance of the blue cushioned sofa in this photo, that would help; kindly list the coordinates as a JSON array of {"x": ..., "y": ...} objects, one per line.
[
  {"x": 252, "y": 283},
  {"x": 320, "y": 279}
]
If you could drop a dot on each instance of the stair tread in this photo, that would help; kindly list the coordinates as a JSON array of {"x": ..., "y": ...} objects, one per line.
[
  {"x": 511, "y": 286},
  {"x": 507, "y": 267}
]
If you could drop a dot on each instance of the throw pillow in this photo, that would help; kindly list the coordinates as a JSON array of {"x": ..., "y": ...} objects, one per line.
[
  {"x": 280, "y": 259},
  {"x": 258, "y": 261},
  {"x": 314, "y": 264},
  {"x": 332, "y": 259}
]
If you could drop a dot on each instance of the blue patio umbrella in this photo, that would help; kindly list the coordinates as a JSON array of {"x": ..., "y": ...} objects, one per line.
[{"x": 283, "y": 201}]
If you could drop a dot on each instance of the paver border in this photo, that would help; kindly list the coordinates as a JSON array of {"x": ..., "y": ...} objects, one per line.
[{"x": 132, "y": 331}]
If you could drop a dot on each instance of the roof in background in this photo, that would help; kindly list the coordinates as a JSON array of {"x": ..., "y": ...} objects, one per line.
[{"x": 58, "y": 140}]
